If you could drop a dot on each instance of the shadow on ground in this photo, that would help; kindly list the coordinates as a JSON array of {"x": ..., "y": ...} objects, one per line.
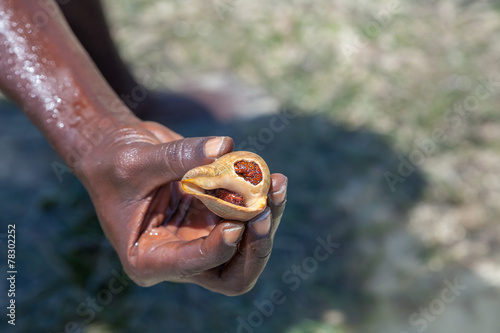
[{"x": 69, "y": 274}]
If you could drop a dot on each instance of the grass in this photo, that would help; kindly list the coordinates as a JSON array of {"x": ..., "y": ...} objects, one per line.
[{"x": 365, "y": 93}]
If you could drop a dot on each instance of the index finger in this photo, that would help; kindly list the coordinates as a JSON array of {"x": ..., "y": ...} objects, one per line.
[{"x": 158, "y": 258}]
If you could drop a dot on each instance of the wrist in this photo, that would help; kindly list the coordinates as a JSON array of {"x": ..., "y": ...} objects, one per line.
[{"x": 87, "y": 137}]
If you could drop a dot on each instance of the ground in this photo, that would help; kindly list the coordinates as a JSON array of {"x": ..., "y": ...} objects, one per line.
[{"x": 384, "y": 116}]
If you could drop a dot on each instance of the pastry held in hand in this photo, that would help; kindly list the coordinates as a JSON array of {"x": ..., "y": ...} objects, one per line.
[{"x": 234, "y": 187}]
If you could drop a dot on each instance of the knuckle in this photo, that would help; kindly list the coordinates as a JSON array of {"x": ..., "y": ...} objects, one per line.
[
  {"x": 186, "y": 272},
  {"x": 125, "y": 164},
  {"x": 260, "y": 249},
  {"x": 173, "y": 155},
  {"x": 135, "y": 272},
  {"x": 141, "y": 282},
  {"x": 136, "y": 276}
]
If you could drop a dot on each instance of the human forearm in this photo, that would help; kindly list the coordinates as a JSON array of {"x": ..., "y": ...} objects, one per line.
[
  {"x": 46, "y": 71},
  {"x": 130, "y": 168}
]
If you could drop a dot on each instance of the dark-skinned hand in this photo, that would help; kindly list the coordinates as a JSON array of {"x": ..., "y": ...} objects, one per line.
[{"x": 163, "y": 234}]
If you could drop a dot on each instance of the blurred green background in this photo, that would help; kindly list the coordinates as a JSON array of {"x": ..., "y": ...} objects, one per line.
[{"x": 390, "y": 143}]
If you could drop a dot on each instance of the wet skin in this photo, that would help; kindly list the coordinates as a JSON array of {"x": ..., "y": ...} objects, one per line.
[{"x": 130, "y": 167}]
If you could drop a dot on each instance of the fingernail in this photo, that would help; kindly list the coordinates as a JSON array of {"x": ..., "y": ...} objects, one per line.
[
  {"x": 232, "y": 234},
  {"x": 279, "y": 196},
  {"x": 213, "y": 147},
  {"x": 262, "y": 223}
]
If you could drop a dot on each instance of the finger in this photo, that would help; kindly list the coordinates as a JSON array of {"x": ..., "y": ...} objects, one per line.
[
  {"x": 277, "y": 191},
  {"x": 157, "y": 260},
  {"x": 217, "y": 248},
  {"x": 277, "y": 198},
  {"x": 169, "y": 162},
  {"x": 240, "y": 273}
]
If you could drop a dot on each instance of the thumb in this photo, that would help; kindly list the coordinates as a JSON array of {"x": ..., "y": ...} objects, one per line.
[{"x": 169, "y": 161}]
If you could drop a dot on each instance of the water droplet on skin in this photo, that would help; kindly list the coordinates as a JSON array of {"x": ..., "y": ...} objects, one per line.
[
  {"x": 60, "y": 125},
  {"x": 74, "y": 121}
]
